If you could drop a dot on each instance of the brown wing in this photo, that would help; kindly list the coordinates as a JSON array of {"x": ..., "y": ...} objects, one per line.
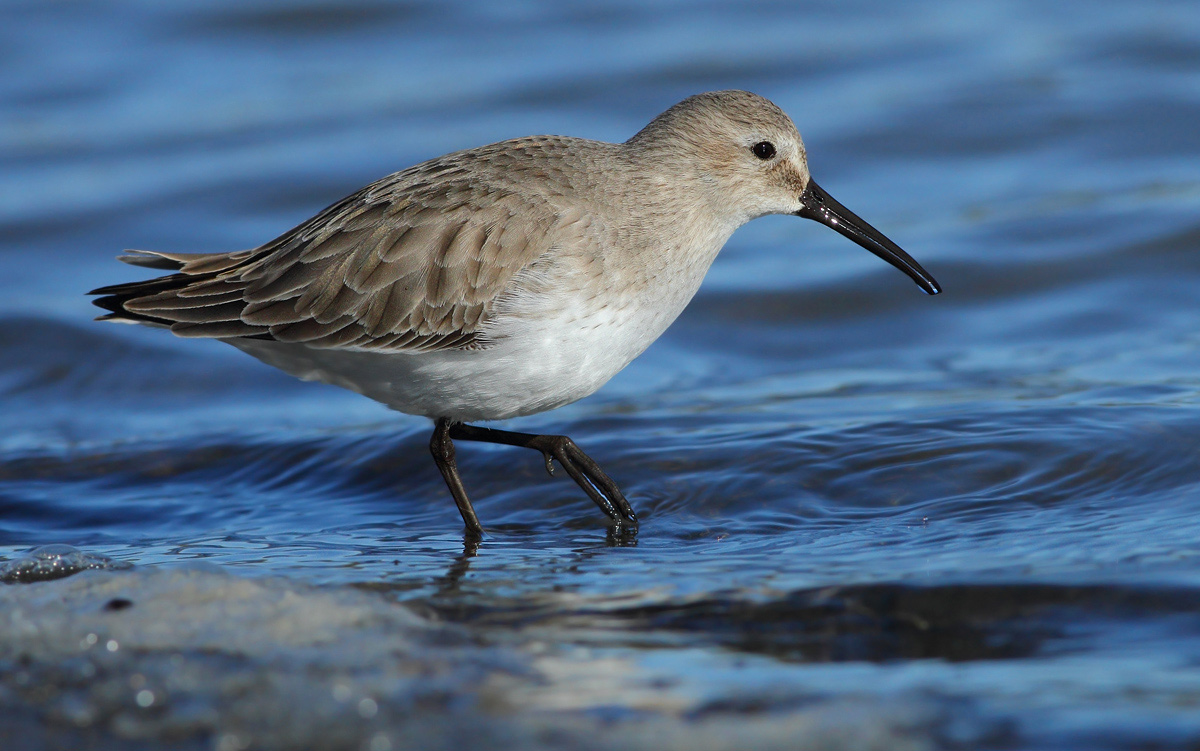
[{"x": 413, "y": 261}]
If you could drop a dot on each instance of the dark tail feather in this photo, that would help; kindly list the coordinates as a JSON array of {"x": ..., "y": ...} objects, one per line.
[
  {"x": 187, "y": 302},
  {"x": 115, "y": 296}
]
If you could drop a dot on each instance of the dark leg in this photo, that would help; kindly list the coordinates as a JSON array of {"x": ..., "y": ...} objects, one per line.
[
  {"x": 442, "y": 449},
  {"x": 581, "y": 467}
]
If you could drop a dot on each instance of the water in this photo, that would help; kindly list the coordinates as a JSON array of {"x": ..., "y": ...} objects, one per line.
[{"x": 963, "y": 521}]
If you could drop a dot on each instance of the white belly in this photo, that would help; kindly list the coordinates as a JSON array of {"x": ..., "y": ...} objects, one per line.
[{"x": 538, "y": 360}]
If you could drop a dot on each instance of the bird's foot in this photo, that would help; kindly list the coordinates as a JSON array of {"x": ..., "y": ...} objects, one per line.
[{"x": 586, "y": 473}]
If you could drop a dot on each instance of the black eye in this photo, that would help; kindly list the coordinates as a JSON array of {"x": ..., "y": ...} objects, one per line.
[{"x": 763, "y": 150}]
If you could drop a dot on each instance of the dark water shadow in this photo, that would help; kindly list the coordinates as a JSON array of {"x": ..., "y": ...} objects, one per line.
[{"x": 876, "y": 623}]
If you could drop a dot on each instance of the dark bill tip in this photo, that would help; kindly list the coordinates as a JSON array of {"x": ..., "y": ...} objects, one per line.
[{"x": 820, "y": 206}]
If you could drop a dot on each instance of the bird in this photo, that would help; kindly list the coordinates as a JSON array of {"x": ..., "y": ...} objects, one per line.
[{"x": 504, "y": 280}]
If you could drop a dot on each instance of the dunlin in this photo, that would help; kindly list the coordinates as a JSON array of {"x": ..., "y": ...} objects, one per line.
[{"x": 503, "y": 280}]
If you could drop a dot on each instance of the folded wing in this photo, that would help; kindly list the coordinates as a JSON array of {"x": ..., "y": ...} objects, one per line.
[{"x": 413, "y": 262}]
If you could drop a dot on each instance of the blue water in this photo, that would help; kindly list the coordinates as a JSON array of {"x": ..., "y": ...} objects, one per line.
[{"x": 987, "y": 501}]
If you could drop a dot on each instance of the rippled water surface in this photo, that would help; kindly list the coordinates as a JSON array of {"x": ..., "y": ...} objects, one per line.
[{"x": 979, "y": 511}]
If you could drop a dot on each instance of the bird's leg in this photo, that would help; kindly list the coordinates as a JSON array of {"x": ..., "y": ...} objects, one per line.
[
  {"x": 581, "y": 467},
  {"x": 442, "y": 449}
]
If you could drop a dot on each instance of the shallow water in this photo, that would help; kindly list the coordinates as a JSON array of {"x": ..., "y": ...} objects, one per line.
[{"x": 982, "y": 507}]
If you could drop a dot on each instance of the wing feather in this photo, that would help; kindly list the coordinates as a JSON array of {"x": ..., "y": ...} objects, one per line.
[{"x": 272, "y": 313}]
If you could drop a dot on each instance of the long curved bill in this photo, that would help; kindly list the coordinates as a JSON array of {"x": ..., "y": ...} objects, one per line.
[{"x": 820, "y": 206}]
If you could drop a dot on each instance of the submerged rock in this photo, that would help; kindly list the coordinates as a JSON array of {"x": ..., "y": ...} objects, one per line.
[{"x": 54, "y": 562}]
